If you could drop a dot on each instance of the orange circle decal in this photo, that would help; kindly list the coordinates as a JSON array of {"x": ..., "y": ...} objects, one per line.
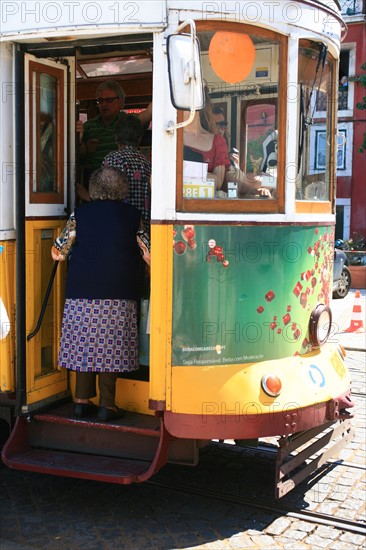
[{"x": 231, "y": 55}]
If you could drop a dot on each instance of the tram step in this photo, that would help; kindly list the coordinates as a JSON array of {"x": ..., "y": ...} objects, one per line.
[
  {"x": 132, "y": 436},
  {"x": 20, "y": 453},
  {"x": 129, "y": 422},
  {"x": 98, "y": 468}
]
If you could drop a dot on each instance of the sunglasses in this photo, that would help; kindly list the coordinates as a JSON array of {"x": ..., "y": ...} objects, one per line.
[
  {"x": 101, "y": 100},
  {"x": 222, "y": 123}
]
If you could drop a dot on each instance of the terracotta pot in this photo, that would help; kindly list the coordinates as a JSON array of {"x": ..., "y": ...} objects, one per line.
[{"x": 358, "y": 274}]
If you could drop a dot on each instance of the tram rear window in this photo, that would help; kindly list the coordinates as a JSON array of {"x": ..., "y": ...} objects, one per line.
[
  {"x": 46, "y": 108},
  {"x": 232, "y": 150},
  {"x": 315, "y": 76}
]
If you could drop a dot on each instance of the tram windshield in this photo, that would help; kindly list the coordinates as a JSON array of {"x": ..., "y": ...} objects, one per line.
[{"x": 243, "y": 76}]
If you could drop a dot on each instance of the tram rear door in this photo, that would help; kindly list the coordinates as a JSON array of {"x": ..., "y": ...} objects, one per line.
[
  {"x": 47, "y": 173},
  {"x": 54, "y": 90}
]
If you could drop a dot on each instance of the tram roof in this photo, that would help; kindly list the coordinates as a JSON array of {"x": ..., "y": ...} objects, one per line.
[{"x": 61, "y": 21}]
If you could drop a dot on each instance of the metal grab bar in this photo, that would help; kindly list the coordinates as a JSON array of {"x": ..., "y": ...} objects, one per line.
[{"x": 44, "y": 305}]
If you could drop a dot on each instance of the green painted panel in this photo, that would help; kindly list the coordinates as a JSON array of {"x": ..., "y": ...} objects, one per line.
[{"x": 244, "y": 294}]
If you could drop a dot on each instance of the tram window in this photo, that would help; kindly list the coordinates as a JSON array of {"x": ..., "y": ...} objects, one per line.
[
  {"x": 247, "y": 87},
  {"x": 315, "y": 75},
  {"x": 46, "y": 133}
]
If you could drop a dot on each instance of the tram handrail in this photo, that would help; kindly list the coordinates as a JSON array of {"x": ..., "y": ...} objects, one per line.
[{"x": 44, "y": 304}]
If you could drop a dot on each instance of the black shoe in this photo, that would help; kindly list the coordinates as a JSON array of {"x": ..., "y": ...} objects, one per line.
[
  {"x": 104, "y": 415},
  {"x": 81, "y": 410}
]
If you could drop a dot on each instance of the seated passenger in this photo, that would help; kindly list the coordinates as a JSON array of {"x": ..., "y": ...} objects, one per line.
[
  {"x": 248, "y": 184},
  {"x": 201, "y": 145},
  {"x": 221, "y": 123}
]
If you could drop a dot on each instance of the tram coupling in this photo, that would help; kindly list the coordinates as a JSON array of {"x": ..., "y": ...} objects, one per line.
[{"x": 337, "y": 408}]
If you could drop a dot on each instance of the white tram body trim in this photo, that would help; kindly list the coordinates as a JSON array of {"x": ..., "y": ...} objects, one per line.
[
  {"x": 8, "y": 235},
  {"x": 22, "y": 20},
  {"x": 26, "y": 21},
  {"x": 7, "y": 149},
  {"x": 279, "y": 219}
]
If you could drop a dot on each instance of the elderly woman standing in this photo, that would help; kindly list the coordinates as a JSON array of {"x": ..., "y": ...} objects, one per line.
[
  {"x": 99, "y": 328},
  {"x": 131, "y": 162}
]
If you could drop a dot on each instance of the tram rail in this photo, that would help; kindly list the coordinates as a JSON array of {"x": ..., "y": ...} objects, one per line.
[
  {"x": 277, "y": 508},
  {"x": 346, "y": 464},
  {"x": 330, "y": 462}
]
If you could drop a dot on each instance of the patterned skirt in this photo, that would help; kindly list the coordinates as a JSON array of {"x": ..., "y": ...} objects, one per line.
[{"x": 99, "y": 336}]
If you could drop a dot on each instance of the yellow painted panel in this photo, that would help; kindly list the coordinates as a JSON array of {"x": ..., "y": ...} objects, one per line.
[
  {"x": 161, "y": 312},
  {"x": 56, "y": 384},
  {"x": 131, "y": 395},
  {"x": 7, "y": 316},
  {"x": 309, "y": 207},
  {"x": 234, "y": 389},
  {"x": 43, "y": 379}
]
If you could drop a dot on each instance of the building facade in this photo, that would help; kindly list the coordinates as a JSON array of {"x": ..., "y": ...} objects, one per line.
[{"x": 351, "y": 162}]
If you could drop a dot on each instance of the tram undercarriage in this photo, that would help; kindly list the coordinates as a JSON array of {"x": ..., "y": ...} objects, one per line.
[{"x": 133, "y": 449}]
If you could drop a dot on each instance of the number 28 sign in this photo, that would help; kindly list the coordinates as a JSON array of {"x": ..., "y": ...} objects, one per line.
[{"x": 199, "y": 190}]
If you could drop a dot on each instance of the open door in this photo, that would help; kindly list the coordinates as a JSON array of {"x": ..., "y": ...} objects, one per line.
[{"x": 46, "y": 191}]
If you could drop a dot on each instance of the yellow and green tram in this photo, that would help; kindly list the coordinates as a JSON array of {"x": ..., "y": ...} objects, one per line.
[{"x": 236, "y": 337}]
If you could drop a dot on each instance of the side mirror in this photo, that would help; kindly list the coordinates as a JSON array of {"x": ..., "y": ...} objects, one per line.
[{"x": 184, "y": 67}]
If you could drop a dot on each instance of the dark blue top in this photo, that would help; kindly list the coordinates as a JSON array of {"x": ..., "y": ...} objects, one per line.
[{"x": 105, "y": 255}]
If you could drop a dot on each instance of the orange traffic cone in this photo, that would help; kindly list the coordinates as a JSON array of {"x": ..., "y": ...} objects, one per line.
[{"x": 357, "y": 316}]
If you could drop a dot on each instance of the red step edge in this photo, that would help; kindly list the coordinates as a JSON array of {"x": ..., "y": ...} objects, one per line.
[
  {"x": 90, "y": 422},
  {"x": 18, "y": 455}
]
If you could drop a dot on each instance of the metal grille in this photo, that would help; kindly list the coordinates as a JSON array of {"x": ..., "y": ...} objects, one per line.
[{"x": 352, "y": 7}]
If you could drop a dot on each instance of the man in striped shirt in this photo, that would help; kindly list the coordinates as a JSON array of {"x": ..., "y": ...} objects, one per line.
[{"x": 98, "y": 135}]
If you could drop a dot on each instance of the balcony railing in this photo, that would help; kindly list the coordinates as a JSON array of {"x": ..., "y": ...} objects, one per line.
[
  {"x": 352, "y": 7},
  {"x": 342, "y": 99},
  {"x": 322, "y": 99}
]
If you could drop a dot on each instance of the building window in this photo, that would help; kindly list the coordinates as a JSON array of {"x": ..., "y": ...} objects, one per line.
[
  {"x": 351, "y": 7},
  {"x": 343, "y": 219},
  {"x": 343, "y": 80},
  {"x": 347, "y": 67},
  {"x": 318, "y": 149}
]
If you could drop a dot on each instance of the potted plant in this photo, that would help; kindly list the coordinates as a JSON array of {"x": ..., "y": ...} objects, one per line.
[{"x": 355, "y": 250}]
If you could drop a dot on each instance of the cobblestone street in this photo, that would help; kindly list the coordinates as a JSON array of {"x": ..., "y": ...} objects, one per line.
[{"x": 183, "y": 275}]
